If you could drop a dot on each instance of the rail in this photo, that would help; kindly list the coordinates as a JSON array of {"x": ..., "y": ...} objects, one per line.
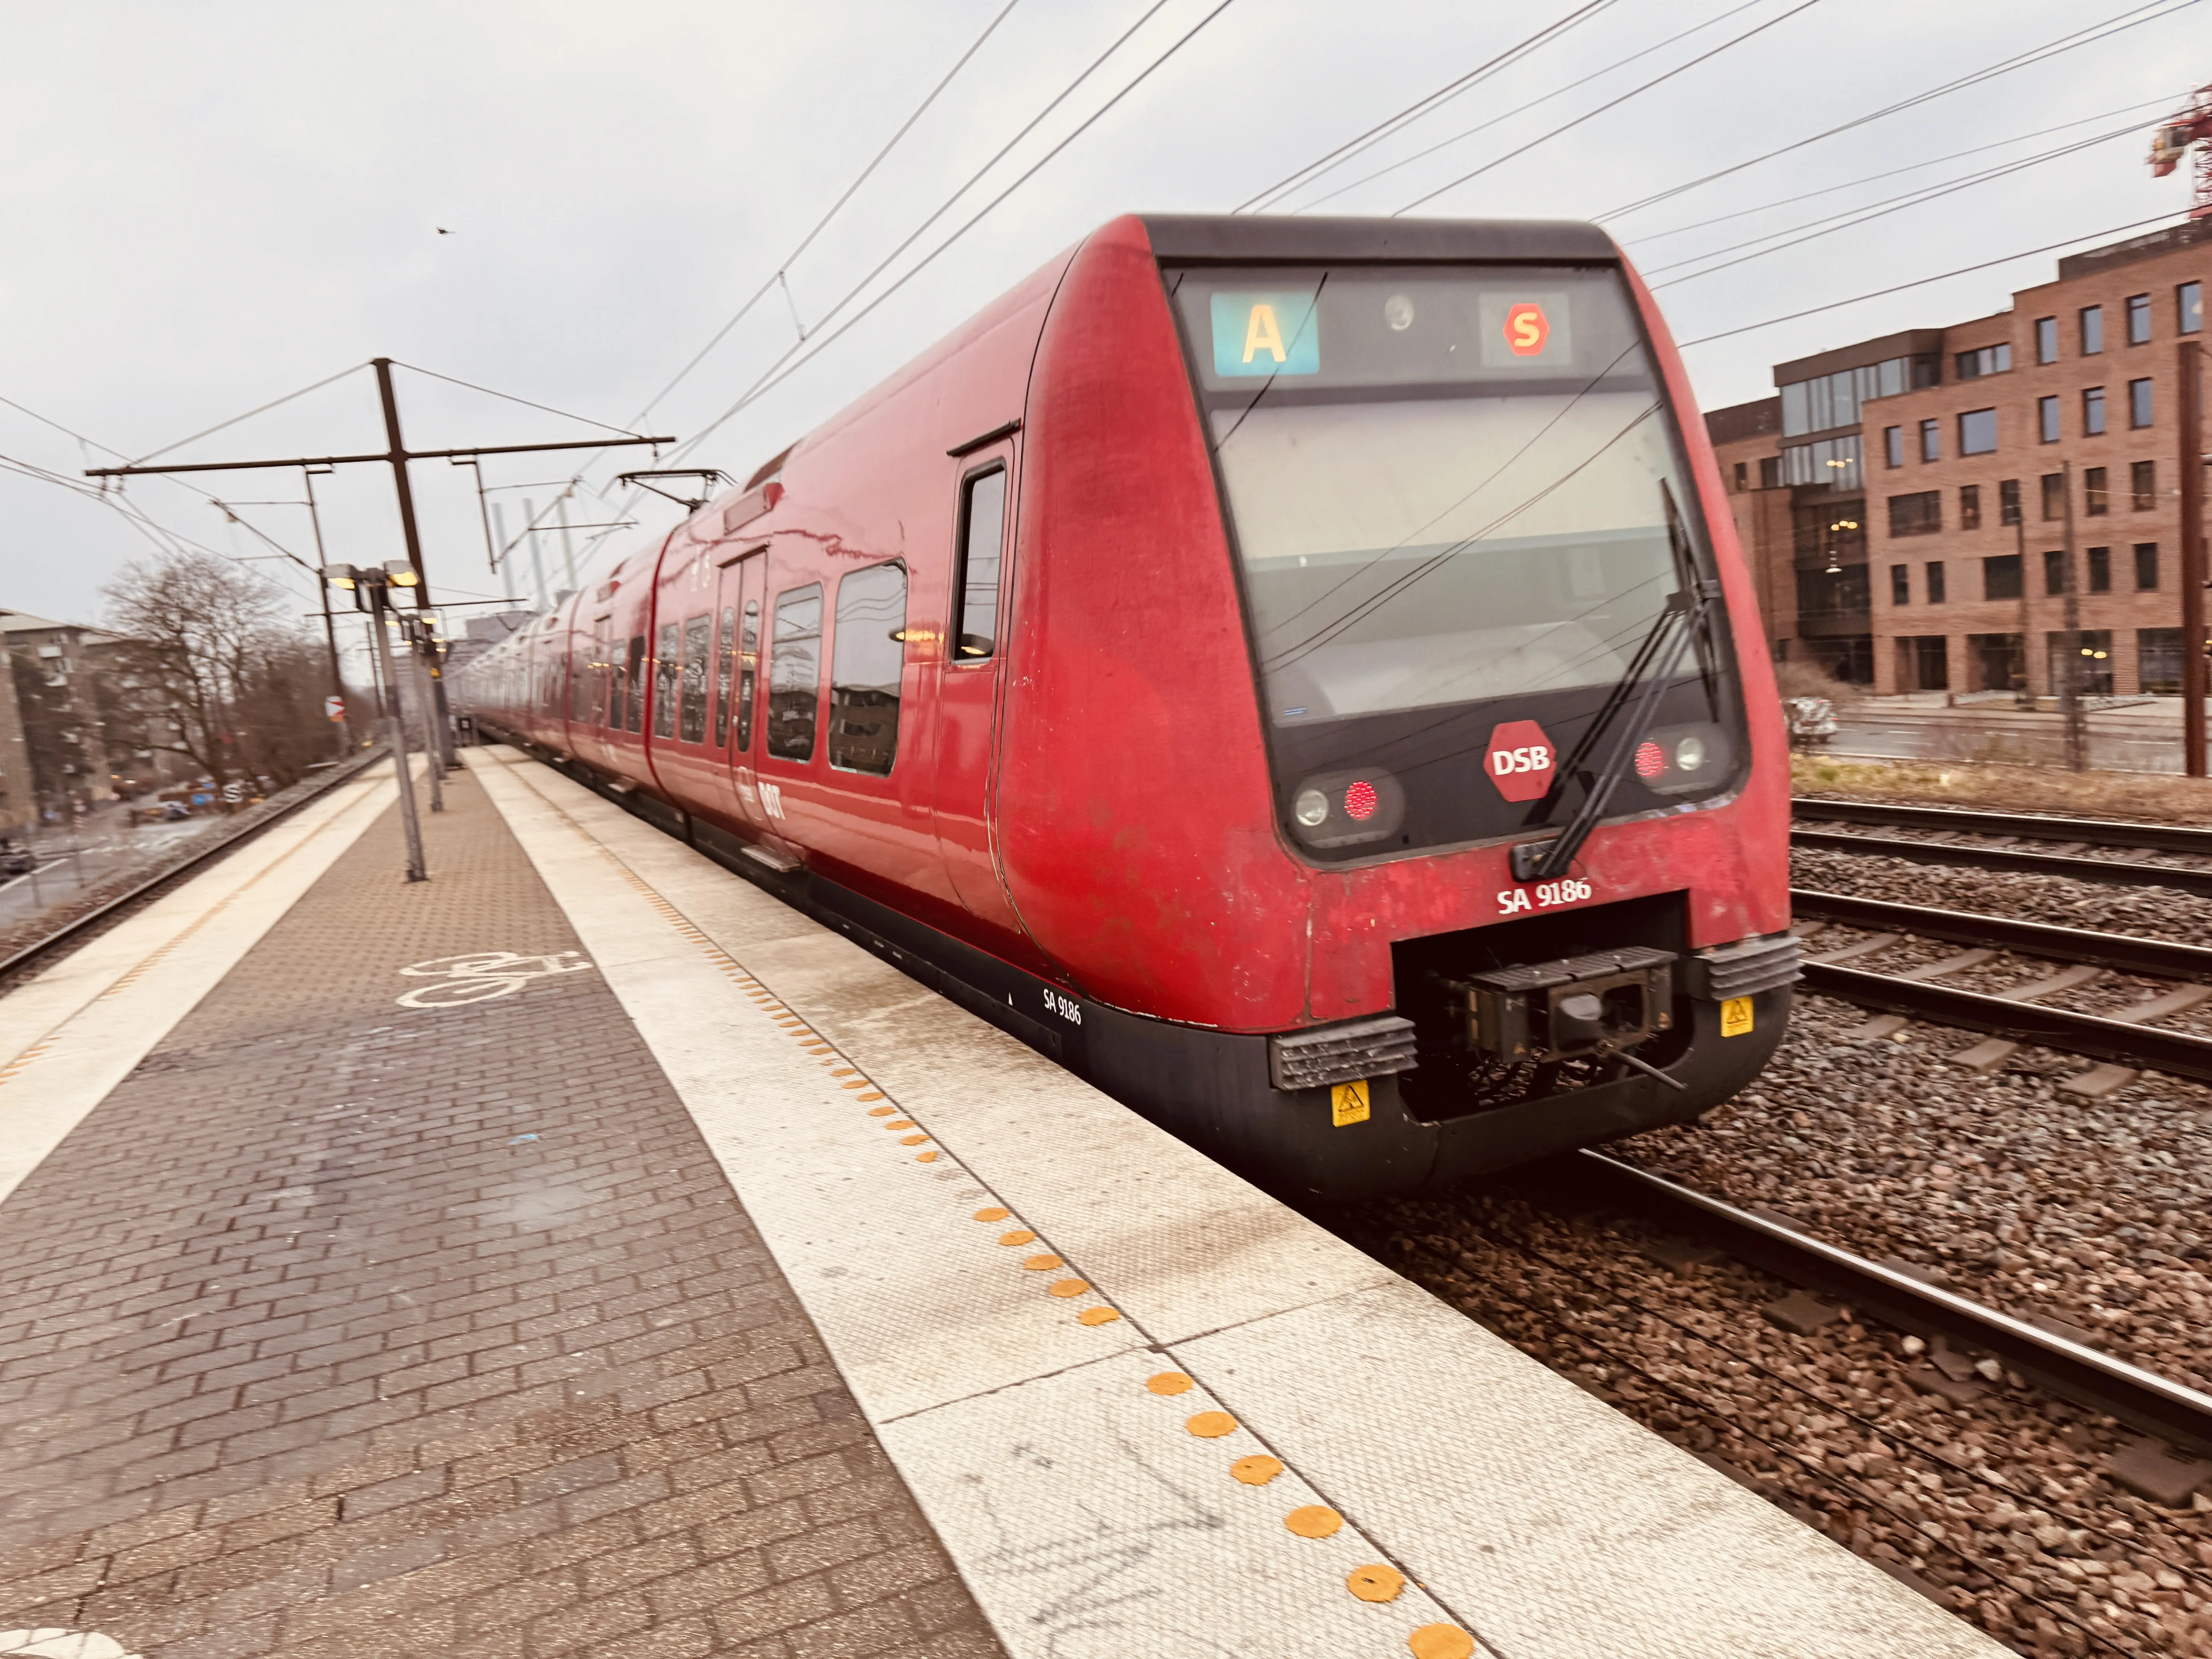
[
  {"x": 2100, "y": 832},
  {"x": 341, "y": 772},
  {"x": 2121, "y": 951},
  {"x": 2158, "y": 1406}
]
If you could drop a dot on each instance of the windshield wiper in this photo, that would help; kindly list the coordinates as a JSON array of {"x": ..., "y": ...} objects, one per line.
[{"x": 1686, "y": 618}]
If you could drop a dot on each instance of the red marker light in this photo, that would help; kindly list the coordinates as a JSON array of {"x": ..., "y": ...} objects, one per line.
[
  {"x": 1650, "y": 761},
  {"x": 1360, "y": 801}
]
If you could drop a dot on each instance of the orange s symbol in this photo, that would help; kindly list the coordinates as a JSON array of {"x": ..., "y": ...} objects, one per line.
[{"x": 1526, "y": 330}]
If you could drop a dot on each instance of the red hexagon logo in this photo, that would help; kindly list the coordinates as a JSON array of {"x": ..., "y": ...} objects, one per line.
[
  {"x": 1527, "y": 328},
  {"x": 1520, "y": 760}
]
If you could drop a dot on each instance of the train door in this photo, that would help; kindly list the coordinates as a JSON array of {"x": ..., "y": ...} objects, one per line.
[
  {"x": 738, "y": 598},
  {"x": 968, "y": 685}
]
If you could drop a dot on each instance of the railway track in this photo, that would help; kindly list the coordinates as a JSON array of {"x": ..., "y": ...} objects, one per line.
[
  {"x": 2129, "y": 1039},
  {"x": 1995, "y": 837},
  {"x": 2157, "y": 1405},
  {"x": 78, "y": 927}
]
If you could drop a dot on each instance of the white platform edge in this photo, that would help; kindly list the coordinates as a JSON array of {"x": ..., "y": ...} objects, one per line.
[
  {"x": 1085, "y": 1520},
  {"x": 73, "y": 1032}
]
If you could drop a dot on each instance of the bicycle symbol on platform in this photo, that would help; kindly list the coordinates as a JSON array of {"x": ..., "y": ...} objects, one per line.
[{"x": 482, "y": 976}]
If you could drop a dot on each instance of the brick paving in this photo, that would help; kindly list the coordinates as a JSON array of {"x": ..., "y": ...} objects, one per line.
[{"x": 342, "y": 1328}]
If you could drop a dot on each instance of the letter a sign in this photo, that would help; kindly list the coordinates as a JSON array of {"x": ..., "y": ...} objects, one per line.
[{"x": 1520, "y": 760}]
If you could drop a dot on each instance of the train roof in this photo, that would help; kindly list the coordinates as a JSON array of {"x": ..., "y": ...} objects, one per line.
[{"x": 1236, "y": 237}]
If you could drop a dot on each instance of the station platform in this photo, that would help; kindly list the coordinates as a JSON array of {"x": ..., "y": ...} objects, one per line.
[{"x": 583, "y": 1252}]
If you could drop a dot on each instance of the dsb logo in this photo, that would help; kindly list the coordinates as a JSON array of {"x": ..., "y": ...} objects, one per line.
[{"x": 1520, "y": 760}]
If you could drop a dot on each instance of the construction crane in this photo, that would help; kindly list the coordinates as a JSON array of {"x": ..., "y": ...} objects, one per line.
[{"x": 2173, "y": 140}]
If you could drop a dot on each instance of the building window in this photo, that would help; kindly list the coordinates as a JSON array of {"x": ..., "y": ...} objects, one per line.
[
  {"x": 2054, "y": 570},
  {"x": 1833, "y": 462},
  {"x": 2188, "y": 307},
  {"x": 1920, "y": 515},
  {"x": 2146, "y": 567},
  {"x": 2092, "y": 330},
  {"x": 1999, "y": 661},
  {"x": 2001, "y": 577},
  {"x": 2138, "y": 319},
  {"x": 1970, "y": 507},
  {"x": 1935, "y": 571},
  {"x": 1770, "y": 472},
  {"x": 2046, "y": 339},
  {"x": 1893, "y": 445},
  {"x": 1900, "y": 584},
  {"x": 1828, "y": 401},
  {"x": 1924, "y": 663},
  {"x": 2054, "y": 496},
  {"x": 1989, "y": 360},
  {"x": 2046, "y": 419},
  {"x": 2093, "y": 412},
  {"x": 1742, "y": 476},
  {"x": 2096, "y": 499},
  {"x": 2100, "y": 569},
  {"x": 2008, "y": 501},
  {"x": 1978, "y": 432},
  {"x": 2142, "y": 484},
  {"x": 2139, "y": 409},
  {"x": 2090, "y": 653},
  {"x": 2158, "y": 660},
  {"x": 1931, "y": 440}
]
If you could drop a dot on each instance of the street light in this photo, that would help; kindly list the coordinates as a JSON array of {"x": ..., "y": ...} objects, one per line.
[{"x": 371, "y": 590}]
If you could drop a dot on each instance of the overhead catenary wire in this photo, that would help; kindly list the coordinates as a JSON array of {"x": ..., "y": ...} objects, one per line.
[
  {"x": 509, "y": 397},
  {"x": 1610, "y": 104},
  {"x": 1851, "y": 219},
  {"x": 1414, "y": 112},
  {"x": 2089, "y": 36},
  {"x": 1922, "y": 282},
  {"x": 219, "y": 426},
  {"x": 784, "y": 366},
  {"x": 1523, "y": 108},
  {"x": 1649, "y": 237}
]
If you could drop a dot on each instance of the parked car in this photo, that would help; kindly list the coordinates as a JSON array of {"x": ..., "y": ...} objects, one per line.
[{"x": 16, "y": 860}]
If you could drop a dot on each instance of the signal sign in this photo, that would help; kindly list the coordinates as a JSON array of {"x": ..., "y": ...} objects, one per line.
[
  {"x": 334, "y": 708},
  {"x": 1520, "y": 760},
  {"x": 1527, "y": 328}
]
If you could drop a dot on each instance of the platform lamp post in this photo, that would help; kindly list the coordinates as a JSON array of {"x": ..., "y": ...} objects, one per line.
[{"x": 370, "y": 587}]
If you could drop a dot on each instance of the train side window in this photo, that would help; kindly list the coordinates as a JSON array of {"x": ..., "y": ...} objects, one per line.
[
  {"x": 664, "y": 664},
  {"x": 748, "y": 667},
  {"x": 794, "y": 673},
  {"x": 725, "y": 643},
  {"x": 865, "y": 661},
  {"x": 698, "y": 639},
  {"x": 634, "y": 714},
  {"x": 975, "y": 628}
]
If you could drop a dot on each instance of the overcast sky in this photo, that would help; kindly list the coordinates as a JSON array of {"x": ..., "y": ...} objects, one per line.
[{"x": 205, "y": 207}]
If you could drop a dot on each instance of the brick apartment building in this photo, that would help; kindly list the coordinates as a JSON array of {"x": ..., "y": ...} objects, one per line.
[{"x": 1904, "y": 502}]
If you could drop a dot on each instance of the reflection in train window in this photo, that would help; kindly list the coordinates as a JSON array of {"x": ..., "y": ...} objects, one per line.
[
  {"x": 864, "y": 665},
  {"x": 725, "y": 644},
  {"x": 794, "y": 673},
  {"x": 664, "y": 683},
  {"x": 635, "y": 722},
  {"x": 748, "y": 666},
  {"x": 976, "y": 588},
  {"x": 698, "y": 639}
]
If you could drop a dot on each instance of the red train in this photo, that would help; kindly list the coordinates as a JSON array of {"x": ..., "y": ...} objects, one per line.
[{"x": 1298, "y": 673}]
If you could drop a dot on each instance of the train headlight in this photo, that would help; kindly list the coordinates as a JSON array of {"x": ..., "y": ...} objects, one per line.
[
  {"x": 1691, "y": 759},
  {"x": 1346, "y": 808},
  {"x": 1690, "y": 753}
]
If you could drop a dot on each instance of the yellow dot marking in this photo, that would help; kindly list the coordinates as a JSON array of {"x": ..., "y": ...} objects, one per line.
[
  {"x": 994, "y": 1213},
  {"x": 882, "y": 1111},
  {"x": 1212, "y": 1425},
  {"x": 929, "y": 1156},
  {"x": 876, "y": 1096},
  {"x": 1041, "y": 1264},
  {"x": 1313, "y": 1521},
  {"x": 853, "y": 1083},
  {"x": 900, "y": 1123},
  {"x": 1375, "y": 1583},
  {"x": 846, "y": 1071},
  {"x": 1441, "y": 1642},
  {"x": 1167, "y": 1383},
  {"x": 820, "y": 1048},
  {"x": 1019, "y": 1236},
  {"x": 1097, "y": 1316},
  {"x": 1068, "y": 1287},
  {"x": 913, "y": 1140},
  {"x": 1256, "y": 1470}
]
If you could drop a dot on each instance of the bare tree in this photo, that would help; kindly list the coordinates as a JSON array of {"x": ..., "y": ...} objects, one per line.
[{"x": 212, "y": 671}]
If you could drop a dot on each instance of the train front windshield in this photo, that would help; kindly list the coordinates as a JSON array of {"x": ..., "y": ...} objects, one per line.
[{"x": 1457, "y": 500}]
